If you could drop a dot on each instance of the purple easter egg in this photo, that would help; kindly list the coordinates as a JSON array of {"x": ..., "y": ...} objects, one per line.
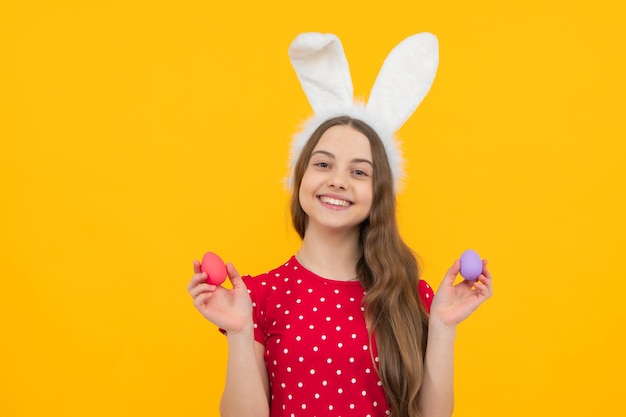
[{"x": 471, "y": 265}]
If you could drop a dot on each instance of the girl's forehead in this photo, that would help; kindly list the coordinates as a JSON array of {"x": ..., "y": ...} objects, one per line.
[{"x": 344, "y": 140}]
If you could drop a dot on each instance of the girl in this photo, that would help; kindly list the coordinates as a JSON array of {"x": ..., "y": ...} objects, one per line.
[{"x": 345, "y": 327}]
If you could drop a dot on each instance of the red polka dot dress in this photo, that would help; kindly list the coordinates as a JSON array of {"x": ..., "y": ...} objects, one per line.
[{"x": 317, "y": 351}]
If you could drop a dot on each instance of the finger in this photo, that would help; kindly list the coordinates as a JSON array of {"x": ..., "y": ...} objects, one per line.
[
  {"x": 199, "y": 289},
  {"x": 196, "y": 280},
  {"x": 196, "y": 267},
  {"x": 202, "y": 299},
  {"x": 233, "y": 275},
  {"x": 485, "y": 270},
  {"x": 487, "y": 285},
  {"x": 451, "y": 274}
]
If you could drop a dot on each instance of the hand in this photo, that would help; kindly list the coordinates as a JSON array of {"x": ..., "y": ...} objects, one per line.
[
  {"x": 454, "y": 303},
  {"x": 231, "y": 310}
]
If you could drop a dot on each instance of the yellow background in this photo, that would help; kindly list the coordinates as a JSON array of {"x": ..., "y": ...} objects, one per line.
[{"x": 135, "y": 135}]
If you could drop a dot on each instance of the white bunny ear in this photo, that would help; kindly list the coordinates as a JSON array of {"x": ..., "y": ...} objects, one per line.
[
  {"x": 322, "y": 68},
  {"x": 404, "y": 80}
]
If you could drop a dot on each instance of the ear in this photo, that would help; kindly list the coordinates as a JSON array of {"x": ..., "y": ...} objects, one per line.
[
  {"x": 322, "y": 68},
  {"x": 404, "y": 80}
]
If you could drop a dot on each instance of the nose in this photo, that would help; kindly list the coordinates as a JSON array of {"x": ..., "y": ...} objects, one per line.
[{"x": 338, "y": 180}]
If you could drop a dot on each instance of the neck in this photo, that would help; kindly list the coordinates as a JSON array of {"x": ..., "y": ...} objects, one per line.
[{"x": 330, "y": 255}]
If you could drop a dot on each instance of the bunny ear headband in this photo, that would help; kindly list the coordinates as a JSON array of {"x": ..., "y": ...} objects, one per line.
[{"x": 401, "y": 85}]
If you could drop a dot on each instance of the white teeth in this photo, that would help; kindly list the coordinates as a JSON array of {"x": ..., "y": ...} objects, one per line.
[{"x": 334, "y": 201}]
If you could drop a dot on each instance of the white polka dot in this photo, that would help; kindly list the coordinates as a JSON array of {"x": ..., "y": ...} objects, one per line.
[
  {"x": 315, "y": 348},
  {"x": 351, "y": 406},
  {"x": 285, "y": 351},
  {"x": 339, "y": 345},
  {"x": 301, "y": 359},
  {"x": 336, "y": 291},
  {"x": 327, "y": 318},
  {"x": 340, "y": 390},
  {"x": 312, "y": 371},
  {"x": 300, "y": 384},
  {"x": 324, "y": 383},
  {"x": 289, "y": 369},
  {"x": 310, "y": 290},
  {"x": 354, "y": 335},
  {"x": 298, "y": 300},
  {"x": 300, "y": 316},
  {"x": 353, "y": 380},
  {"x": 338, "y": 328},
  {"x": 364, "y": 393},
  {"x": 330, "y": 407},
  {"x": 364, "y": 347},
  {"x": 311, "y": 327},
  {"x": 351, "y": 360},
  {"x": 322, "y": 299},
  {"x": 350, "y": 318},
  {"x": 317, "y": 396},
  {"x": 338, "y": 306},
  {"x": 298, "y": 338},
  {"x": 338, "y": 371},
  {"x": 314, "y": 308},
  {"x": 286, "y": 311},
  {"x": 278, "y": 305}
]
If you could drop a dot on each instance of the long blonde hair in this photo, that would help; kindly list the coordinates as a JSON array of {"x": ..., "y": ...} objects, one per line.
[{"x": 389, "y": 273}]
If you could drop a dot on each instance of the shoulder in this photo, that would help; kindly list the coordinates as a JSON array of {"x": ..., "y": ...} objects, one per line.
[
  {"x": 426, "y": 294},
  {"x": 266, "y": 280}
]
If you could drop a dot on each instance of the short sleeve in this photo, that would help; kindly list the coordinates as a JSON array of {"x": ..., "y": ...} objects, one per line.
[
  {"x": 426, "y": 294},
  {"x": 258, "y": 298}
]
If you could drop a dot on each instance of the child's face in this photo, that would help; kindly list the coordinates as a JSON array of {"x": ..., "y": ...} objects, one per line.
[{"x": 337, "y": 187}]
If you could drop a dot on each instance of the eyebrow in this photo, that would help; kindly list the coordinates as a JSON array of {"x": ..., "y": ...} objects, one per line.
[{"x": 330, "y": 155}]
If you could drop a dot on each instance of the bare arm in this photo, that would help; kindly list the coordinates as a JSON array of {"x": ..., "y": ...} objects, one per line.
[
  {"x": 246, "y": 392},
  {"x": 451, "y": 305},
  {"x": 437, "y": 393}
]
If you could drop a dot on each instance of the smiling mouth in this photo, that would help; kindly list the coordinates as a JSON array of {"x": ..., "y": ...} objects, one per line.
[{"x": 334, "y": 201}]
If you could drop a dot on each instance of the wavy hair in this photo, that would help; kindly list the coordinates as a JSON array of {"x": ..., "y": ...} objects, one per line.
[{"x": 389, "y": 273}]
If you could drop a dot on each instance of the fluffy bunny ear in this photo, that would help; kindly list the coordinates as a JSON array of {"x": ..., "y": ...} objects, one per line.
[
  {"x": 404, "y": 80},
  {"x": 322, "y": 68}
]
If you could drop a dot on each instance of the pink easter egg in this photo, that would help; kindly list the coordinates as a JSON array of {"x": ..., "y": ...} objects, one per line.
[
  {"x": 471, "y": 265},
  {"x": 214, "y": 267}
]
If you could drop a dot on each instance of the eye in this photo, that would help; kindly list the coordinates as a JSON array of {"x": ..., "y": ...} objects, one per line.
[
  {"x": 360, "y": 173},
  {"x": 322, "y": 164}
]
